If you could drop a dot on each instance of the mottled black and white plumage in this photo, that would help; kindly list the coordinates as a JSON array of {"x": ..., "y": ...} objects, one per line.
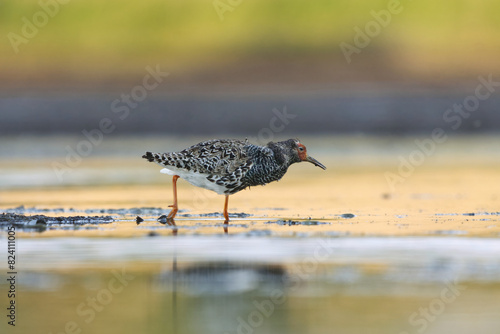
[{"x": 228, "y": 166}]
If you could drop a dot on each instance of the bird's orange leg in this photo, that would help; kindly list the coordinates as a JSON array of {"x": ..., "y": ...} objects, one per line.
[
  {"x": 226, "y": 215},
  {"x": 174, "y": 207}
]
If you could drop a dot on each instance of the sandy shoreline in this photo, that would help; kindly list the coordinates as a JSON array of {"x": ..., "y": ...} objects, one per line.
[{"x": 459, "y": 200}]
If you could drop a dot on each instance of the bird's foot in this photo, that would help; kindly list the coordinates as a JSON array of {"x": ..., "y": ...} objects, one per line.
[{"x": 172, "y": 213}]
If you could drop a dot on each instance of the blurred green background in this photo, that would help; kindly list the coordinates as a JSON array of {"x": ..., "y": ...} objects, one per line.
[
  {"x": 231, "y": 62},
  {"x": 88, "y": 42},
  {"x": 235, "y": 65}
]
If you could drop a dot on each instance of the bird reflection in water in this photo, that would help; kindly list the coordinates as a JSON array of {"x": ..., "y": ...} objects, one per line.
[
  {"x": 168, "y": 221},
  {"x": 234, "y": 293},
  {"x": 165, "y": 220},
  {"x": 194, "y": 294}
]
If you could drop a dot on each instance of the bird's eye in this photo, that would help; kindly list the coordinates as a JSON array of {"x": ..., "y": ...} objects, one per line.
[{"x": 301, "y": 149}]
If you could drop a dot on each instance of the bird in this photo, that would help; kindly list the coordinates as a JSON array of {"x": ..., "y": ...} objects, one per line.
[{"x": 227, "y": 166}]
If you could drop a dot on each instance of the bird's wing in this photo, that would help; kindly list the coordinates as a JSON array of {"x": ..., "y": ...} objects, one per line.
[{"x": 218, "y": 157}]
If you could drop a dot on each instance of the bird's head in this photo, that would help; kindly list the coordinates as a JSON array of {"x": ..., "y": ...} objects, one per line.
[
  {"x": 297, "y": 152},
  {"x": 303, "y": 156}
]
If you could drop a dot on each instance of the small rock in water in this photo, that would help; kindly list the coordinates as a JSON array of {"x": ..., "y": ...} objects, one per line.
[
  {"x": 41, "y": 221},
  {"x": 138, "y": 220},
  {"x": 162, "y": 219},
  {"x": 347, "y": 215},
  {"x": 239, "y": 215}
]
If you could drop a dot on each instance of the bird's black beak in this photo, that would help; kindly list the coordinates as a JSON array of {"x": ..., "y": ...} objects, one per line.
[{"x": 315, "y": 162}]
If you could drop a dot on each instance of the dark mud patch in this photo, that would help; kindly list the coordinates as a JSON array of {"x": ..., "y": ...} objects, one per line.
[
  {"x": 41, "y": 222},
  {"x": 347, "y": 215},
  {"x": 218, "y": 214},
  {"x": 140, "y": 211},
  {"x": 150, "y": 211},
  {"x": 145, "y": 211},
  {"x": 290, "y": 222},
  {"x": 470, "y": 214}
]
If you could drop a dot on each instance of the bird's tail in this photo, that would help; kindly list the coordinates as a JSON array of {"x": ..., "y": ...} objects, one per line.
[
  {"x": 152, "y": 157},
  {"x": 163, "y": 159}
]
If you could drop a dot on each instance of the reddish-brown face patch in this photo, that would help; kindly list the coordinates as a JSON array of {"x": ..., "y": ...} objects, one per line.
[{"x": 301, "y": 149}]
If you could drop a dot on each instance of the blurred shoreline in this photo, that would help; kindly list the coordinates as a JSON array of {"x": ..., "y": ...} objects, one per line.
[
  {"x": 32, "y": 161},
  {"x": 324, "y": 112}
]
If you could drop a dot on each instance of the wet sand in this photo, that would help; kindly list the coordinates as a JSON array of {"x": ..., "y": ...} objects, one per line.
[
  {"x": 451, "y": 199},
  {"x": 320, "y": 251}
]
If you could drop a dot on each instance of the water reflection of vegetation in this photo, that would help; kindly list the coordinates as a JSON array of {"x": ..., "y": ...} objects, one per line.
[{"x": 224, "y": 296}]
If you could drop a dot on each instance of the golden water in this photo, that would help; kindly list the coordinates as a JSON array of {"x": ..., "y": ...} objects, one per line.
[{"x": 319, "y": 252}]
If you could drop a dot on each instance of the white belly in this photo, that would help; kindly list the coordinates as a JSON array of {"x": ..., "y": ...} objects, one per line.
[{"x": 196, "y": 179}]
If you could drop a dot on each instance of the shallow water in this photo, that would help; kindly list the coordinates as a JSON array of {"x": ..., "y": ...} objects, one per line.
[
  {"x": 318, "y": 252},
  {"x": 236, "y": 284}
]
